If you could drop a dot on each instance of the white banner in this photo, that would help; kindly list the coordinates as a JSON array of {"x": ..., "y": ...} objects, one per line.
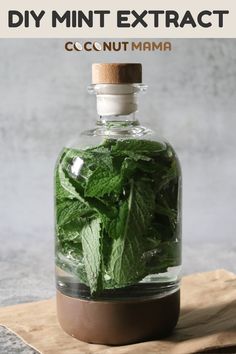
[{"x": 117, "y": 19}]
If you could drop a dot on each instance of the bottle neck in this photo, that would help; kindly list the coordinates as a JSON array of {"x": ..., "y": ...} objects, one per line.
[
  {"x": 117, "y": 103},
  {"x": 118, "y": 120}
]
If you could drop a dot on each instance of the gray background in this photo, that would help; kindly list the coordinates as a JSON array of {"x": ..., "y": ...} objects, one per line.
[{"x": 43, "y": 103}]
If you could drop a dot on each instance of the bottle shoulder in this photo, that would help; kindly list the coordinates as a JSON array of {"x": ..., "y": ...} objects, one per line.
[
  {"x": 94, "y": 137},
  {"x": 140, "y": 143}
]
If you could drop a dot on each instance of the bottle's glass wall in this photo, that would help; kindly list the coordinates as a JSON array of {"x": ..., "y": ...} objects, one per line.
[{"x": 118, "y": 215}]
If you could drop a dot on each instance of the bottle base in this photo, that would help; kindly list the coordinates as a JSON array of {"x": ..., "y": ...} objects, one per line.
[{"x": 118, "y": 322}]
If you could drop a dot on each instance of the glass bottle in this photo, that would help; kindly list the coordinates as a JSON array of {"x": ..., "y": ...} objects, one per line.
[{"x": 118, "y": 221}]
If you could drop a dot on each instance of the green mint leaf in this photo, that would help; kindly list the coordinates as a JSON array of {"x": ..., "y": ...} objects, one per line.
[
  {"x": 69, "y": 210},
  {"x": 102, "y": 182},
  {"x": 138, "y": 147},
  {"x": 91, "y": 245},
  {"x": 117, "y": 212},
  {"x": 129, "y": 231},
  {"x": 71, "y": 230},
  {"x": 67, "y": 185}
]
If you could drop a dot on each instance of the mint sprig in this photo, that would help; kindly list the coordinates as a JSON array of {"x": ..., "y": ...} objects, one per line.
[{"x": 117, "y": 212}]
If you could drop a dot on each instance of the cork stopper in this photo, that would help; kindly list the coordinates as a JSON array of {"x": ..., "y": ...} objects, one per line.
[{"x": 116, "y": 73}]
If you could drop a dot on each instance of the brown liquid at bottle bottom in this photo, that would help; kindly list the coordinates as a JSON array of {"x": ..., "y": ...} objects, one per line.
[{"x": 118, "y": 322}]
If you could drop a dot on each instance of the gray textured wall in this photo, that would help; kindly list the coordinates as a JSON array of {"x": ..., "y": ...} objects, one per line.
[{"x": 191, "y": 101}]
